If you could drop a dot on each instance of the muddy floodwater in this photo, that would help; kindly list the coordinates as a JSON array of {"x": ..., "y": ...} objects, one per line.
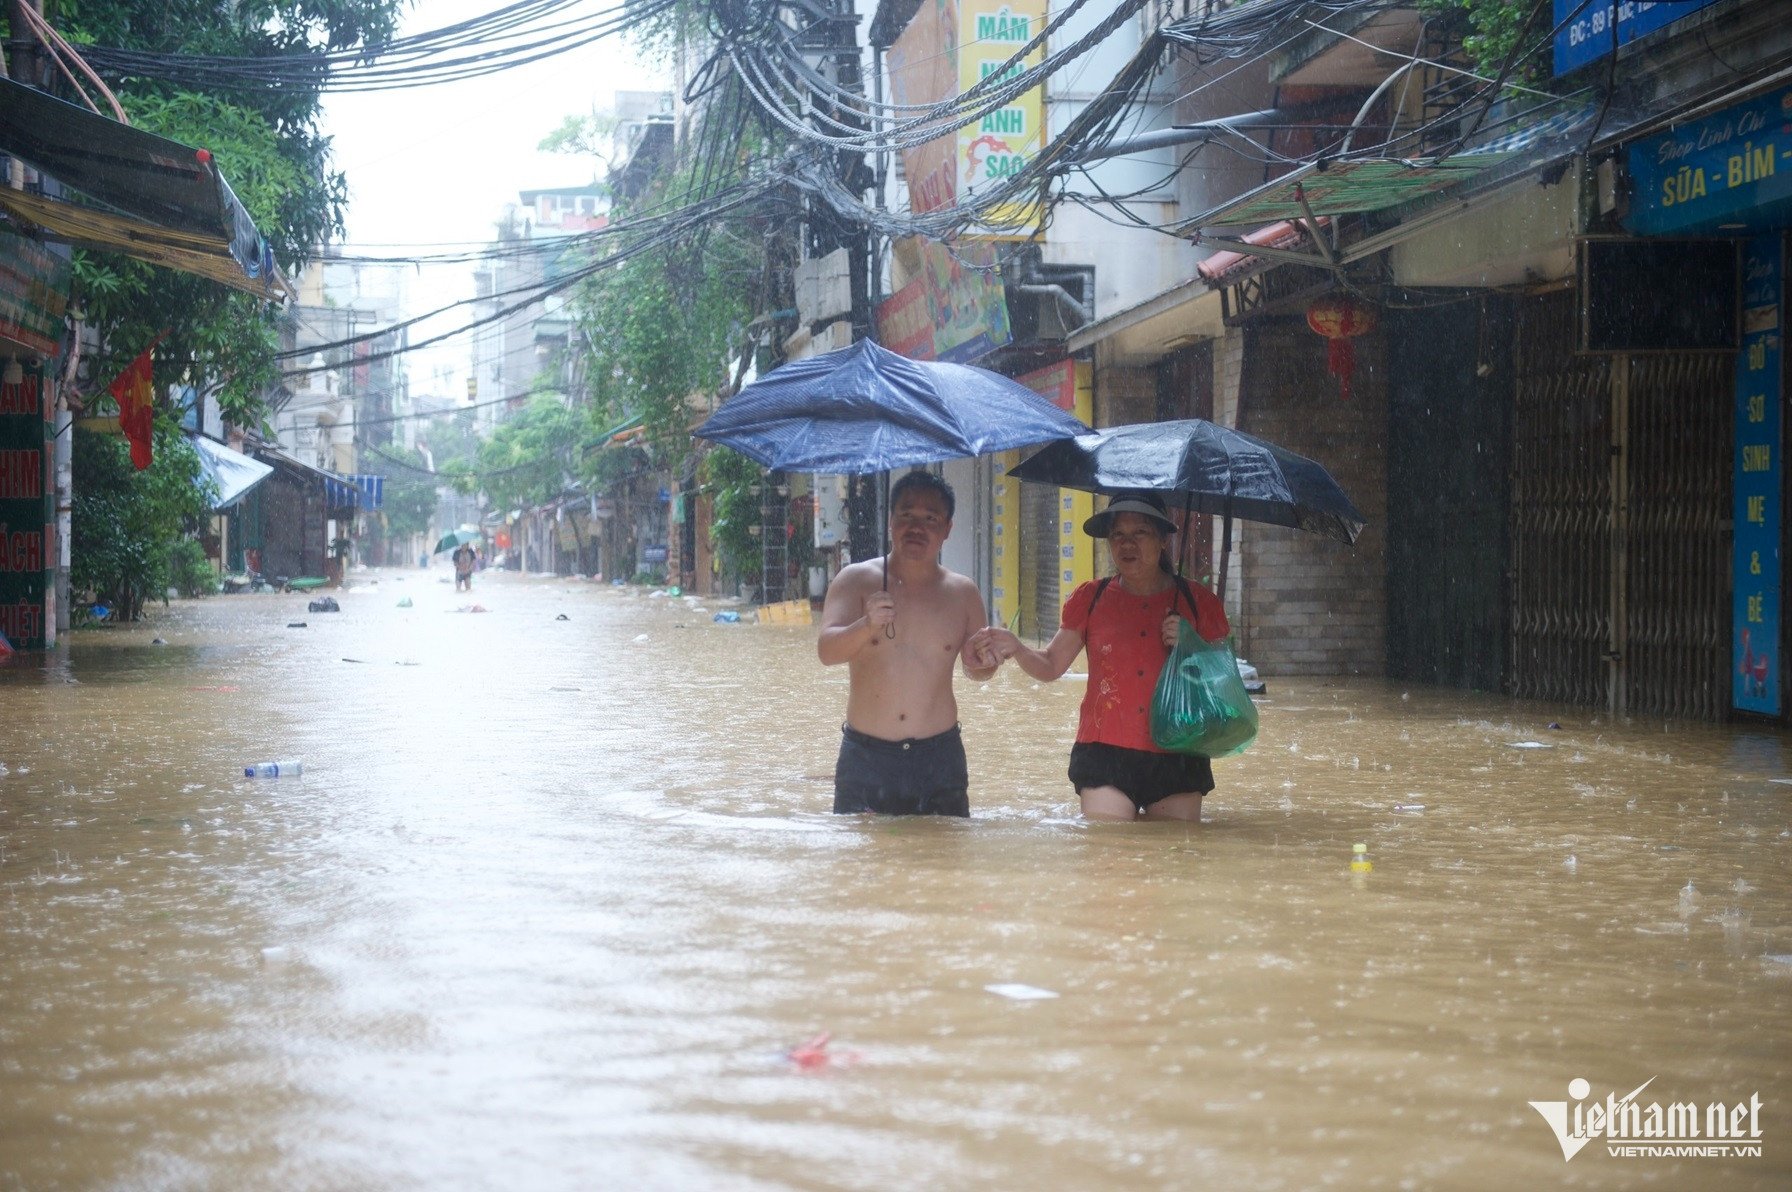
[{"x": 559, "y": 904}]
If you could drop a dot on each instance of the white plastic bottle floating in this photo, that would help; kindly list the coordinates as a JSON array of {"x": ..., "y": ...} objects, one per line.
[
  {"x": 1689, "y": 899},
  {"x": 1359, "y": 859},
  {"x": 281, "y": 769}
]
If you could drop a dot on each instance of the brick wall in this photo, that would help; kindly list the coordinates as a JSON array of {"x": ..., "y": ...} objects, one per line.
[{"x": 1307, "y": 605}]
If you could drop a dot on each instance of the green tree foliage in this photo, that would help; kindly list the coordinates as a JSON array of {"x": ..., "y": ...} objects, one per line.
[
  {"x": 529, "y": 459},
  {"x": 658, "y": 331},
  {"x": 584, "y": 136},
  {"x": 734, "y": 482},
  {"x": 1505, "y": 39},
  {"x": 126, "y": 525},
  {"x": 409, "y": 504}
]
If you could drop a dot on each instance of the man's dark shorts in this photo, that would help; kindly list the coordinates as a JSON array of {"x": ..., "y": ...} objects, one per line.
[
  {"x": 919, "y": 776},
  {"x": 1145, "y": 777}
]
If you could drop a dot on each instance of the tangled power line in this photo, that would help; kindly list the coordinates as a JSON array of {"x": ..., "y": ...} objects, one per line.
[{"x": 760, "y": 68}]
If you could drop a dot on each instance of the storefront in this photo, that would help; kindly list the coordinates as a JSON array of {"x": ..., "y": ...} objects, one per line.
[
  {"x": 1713, "y": 198},
  {"x": 33, "y": 292}
]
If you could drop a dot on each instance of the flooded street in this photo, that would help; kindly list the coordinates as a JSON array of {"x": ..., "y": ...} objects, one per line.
[{"x": 553, "y": 901}]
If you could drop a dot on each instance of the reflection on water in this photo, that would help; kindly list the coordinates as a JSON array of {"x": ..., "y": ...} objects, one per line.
[{"x": 554, "y": 899}]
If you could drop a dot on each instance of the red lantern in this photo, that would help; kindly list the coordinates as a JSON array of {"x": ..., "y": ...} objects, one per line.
[{"x": 1340, "y": 318}]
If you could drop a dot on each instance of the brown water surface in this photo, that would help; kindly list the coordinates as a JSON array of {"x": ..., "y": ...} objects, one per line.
[{"x": 554, "y": 899}]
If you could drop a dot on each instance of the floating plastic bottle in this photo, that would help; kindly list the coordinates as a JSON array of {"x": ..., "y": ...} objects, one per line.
[
  {"x": 281, "y": 769},
  {"x": 1359, "y": 859}
]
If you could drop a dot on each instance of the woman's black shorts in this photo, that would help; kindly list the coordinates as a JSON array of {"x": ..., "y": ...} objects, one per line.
[{"x": 1144, "y": 776}]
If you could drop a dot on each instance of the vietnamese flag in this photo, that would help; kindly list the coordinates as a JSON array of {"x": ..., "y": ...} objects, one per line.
[{"x": 135, "y": 390}]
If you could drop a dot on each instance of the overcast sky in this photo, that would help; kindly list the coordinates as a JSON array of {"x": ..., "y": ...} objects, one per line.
[{"x": 435, "y": 165}]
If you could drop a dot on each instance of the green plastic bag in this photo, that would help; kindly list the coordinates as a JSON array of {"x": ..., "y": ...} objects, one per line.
[{"x": 1201, "y": 705}]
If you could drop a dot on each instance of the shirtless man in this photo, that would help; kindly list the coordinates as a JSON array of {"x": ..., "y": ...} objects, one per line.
[{"x": 900, "y": 752}]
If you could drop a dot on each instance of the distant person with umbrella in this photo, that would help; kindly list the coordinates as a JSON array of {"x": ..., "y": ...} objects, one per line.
[
  {"x": 1128, "y": 623},
  {"x": 900, "y": 624}
]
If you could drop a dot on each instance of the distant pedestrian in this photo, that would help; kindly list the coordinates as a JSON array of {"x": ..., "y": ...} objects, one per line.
[{"x": 464, "y": 558}]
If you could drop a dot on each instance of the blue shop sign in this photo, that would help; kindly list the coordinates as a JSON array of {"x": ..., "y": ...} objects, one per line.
[
  {"x": 1733, "y": 167},
  {"x": 1755, "y": 682},
  {"x": 1584, "y": 27},
  {"x": 653, "y": 552}
]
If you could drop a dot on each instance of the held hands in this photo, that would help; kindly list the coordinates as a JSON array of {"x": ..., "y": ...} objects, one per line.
[
  {"x": 1170, "y": 630},
  {"x": 991, "y": 646},
  {"x": 1001, "y": 643}
]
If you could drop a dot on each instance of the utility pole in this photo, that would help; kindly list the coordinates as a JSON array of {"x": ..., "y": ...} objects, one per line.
[{"x": 834, "y": 38}]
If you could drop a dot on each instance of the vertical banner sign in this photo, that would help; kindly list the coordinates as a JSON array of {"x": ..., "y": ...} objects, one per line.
[
  {"x": 1755, "y": 619},
  {"x": 25, "y": 566},
  {"x": 1000, "y": 144}
]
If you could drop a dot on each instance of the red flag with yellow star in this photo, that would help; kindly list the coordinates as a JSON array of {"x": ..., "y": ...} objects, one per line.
[{"x": 135, "y": 389}]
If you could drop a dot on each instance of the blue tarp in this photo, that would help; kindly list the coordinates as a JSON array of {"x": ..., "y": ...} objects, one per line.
[{"x": 362, "y": 492}]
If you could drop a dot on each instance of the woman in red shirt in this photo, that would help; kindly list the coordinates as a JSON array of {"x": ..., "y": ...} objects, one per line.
[{"x": 1128, "y": 624}]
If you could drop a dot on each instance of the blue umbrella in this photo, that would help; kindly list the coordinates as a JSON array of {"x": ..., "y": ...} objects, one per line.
[{"x": 866, "y": 409}]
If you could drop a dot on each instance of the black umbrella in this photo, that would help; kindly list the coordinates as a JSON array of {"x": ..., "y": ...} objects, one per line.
[{"x": 1206, "y": 468}]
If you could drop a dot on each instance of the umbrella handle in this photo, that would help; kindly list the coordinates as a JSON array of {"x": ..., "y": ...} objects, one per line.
[
  {"x": 883, "y": 532},
  {"x": 890, "y": 629}
]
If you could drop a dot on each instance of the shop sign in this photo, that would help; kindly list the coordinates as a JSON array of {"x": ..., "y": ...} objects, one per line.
[
  {"x": 1584, "y": 28},
  {"x": 1002, "y": 142},
  {"x": 953, "y": 310},
  {"x": 1056, "y": 383},
  {"x": 25, "y": 563},
  {"x": 923, "y": 68},
  {"x": 1755, "y": 618},
  {"x": 948, "y": 47},
  {"x": 1704, "y": 172},
  {"x": 33, "y": 293}
]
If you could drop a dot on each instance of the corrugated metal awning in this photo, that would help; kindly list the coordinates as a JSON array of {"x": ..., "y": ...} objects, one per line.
[{"x": 1346, "y": 188}]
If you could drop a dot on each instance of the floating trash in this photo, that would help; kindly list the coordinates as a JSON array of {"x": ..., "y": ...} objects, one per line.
[
  {"x": 815, "y": 1054},
  {"x": 1020, "y": 993},
  {"x": 1528, "y": 745},
  {"x": 405, "y": 602}
]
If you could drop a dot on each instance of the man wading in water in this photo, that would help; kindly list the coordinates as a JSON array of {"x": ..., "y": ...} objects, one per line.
[{"x": 900, "y": 751}]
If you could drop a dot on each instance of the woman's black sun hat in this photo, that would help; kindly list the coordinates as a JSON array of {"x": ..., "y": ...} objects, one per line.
[{"x": 1146, "y": 505}]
